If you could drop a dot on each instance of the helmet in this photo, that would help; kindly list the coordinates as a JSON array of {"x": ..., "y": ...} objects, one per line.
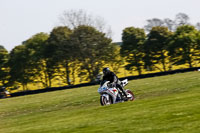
[
  {"x": 3, "y": 87},
  {"x": 106, "y": 71}
]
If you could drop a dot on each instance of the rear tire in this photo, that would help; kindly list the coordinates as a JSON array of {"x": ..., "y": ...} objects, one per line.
[
  {"x": 129, "y": 92},
  {"x": 104, "y": 101}
]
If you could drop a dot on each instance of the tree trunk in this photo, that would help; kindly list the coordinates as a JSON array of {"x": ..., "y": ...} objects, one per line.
[
  {"x": 189, "y": 60},
  {"x": 190, "y": 63},
  {"x": 139, "y": 70},
  {"x": 73, "y": 74},
  {"x": 163, "y": 61},
  {"x": 49, "y": 84},
  {"x": 67, "y": 72},
  {"x": 46, "y": 79}
]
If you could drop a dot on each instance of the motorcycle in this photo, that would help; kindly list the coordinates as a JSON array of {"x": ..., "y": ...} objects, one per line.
[
  {"x": 4, "y": 93},
  {"x": 112, "y": 95}
]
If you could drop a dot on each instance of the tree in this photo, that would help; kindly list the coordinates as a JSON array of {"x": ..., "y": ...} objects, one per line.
[
  {"x": 20, "y": 68},
  {"x": 114, "y": 58},
  {"x": 92, "y": 50},
  {"x": 62, "y": 50},
  {"x": 132, "y": 48},
  {"x": 27, "y": 63},
  {"x": 75, "y": 18},
  {"x": 44, "y": 69},
  {"x": 3, "y": 66},
  {"x": 182, "y": 19},
  {"x": 197, "y": 48},
  {"x": 184, "y": 45},
  {"x": 170, "y": 24},
  {"x": 153, "y": 23},
  {"x": 157, "y": 46},
  {"x": 198, "y": 26}
]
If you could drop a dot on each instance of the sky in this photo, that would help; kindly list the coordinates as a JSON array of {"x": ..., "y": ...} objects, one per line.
[{"x": 21, "y": 19}]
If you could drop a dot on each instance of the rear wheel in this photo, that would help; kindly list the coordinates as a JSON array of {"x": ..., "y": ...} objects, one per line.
[
  {"x": 105, "y": 101},
  {"x": 130, "y": 95}
]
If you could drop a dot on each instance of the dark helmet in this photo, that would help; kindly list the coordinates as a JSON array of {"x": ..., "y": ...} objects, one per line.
[
  {"x": 106, "y": 71},
  {"x": 3, "y": 87}
]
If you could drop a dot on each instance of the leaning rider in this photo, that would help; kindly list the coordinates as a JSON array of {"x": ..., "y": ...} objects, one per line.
[{"x": 114, "y": 81}]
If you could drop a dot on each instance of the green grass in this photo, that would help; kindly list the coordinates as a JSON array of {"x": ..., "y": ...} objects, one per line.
[{"x": 166, "y": 104}]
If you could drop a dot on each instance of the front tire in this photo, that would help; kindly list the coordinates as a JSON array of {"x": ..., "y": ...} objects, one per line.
[{"x": 105, "y": 101}]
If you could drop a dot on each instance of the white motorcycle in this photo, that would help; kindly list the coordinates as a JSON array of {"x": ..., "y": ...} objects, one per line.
[{"x": 113, "y": 95}]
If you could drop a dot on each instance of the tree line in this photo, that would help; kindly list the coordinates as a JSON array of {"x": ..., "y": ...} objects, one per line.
[
  {"x": 64, "y": 53},
  {"x": 82, "y": 46},
  {"x": 164, "y": 43}
]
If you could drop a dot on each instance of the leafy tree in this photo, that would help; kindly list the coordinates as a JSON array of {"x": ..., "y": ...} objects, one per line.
[
  {"x": 61, "y": 50},
  {"x": 197, "y": 48},
  {"x": 92, "y": 50},
  {"x": 27, "y": 63},
  {"x": 114, "y": 58},
  {"x": 156, "y": 46},
  {"x": 184, "y": 45},
  {"x": 3, "y": 66},
  {"x": 43, "y": 68},
  {"x": 132, "y": 48},
  {"x": 20, "y": 69}
]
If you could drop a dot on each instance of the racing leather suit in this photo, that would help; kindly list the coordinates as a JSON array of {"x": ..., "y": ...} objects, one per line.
[{"x": 114, "y": 81}]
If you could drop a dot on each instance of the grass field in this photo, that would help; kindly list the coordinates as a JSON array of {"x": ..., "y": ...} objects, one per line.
[{"x": 166, "y": 104}]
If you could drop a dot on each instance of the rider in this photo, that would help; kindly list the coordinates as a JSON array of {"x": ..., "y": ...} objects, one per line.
[{"x": 114, "y": 81}]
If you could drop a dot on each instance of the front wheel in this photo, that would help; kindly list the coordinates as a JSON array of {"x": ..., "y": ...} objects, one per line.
[
  {"x": 130, "y": 95},
  {"x": 105, "y": 100}
]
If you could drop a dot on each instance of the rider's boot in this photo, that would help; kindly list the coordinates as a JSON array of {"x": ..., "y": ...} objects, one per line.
[{"x": 124, "y": 97}]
